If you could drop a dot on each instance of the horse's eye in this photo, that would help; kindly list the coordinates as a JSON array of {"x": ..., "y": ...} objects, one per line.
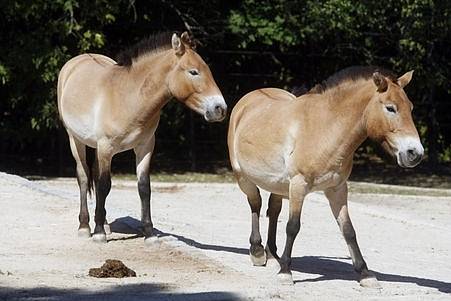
[
  {"x": 391, "y": 109},
  {"x": 193, "y": 72}
]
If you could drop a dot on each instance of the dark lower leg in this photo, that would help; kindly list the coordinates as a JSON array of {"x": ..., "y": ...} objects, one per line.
[
  {"x": 351, "y": 240},
  {"x": 255, "y": 239},
  {"x": 103, "y": 186},
  {"x": 274, "y": 207},
  {"x": 298, "y": 190},
  {"x": 79, "y": 153},
  {"x": 367, "y": 278},
  {"x": 293, "y": 227},
  {"x": 83, "y": 217},
  {"x": 144, "y": 194},
  {"x": 338, "y": 200},
  {"x": 297, "y": 194}
]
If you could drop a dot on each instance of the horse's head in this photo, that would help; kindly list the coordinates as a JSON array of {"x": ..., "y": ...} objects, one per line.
[
  {"x": 192, "y": 83},
  {"x": 389, "y": 120}
]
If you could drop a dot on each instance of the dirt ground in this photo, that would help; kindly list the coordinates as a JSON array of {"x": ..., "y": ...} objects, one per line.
[{"x": 201, "y": 252}]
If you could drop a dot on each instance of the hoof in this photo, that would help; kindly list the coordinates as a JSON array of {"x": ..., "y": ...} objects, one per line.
[
  {"x": 107, "y": 229},
  {"x": 285, "y": 279},
  {"x": 369, "y": 281},
  {"x": 258, "y": 255},
  {"x": 99, "y": 237},
  {"x": 84, "y": 232},
  {"x": 258, "y": 261}
]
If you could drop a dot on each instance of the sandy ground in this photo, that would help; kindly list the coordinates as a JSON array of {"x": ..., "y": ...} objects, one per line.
[{"x": 201, "y": 252}]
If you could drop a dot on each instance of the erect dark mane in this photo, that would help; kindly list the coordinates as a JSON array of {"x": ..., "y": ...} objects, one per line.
[
  {"x": 353, "y": 73},
  {"x": 154, "y": 43}
]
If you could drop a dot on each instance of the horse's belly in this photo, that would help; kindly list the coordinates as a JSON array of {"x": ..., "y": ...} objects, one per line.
[
  {"x": 80, "y": 116},
  {"x": 273, "y": 185},
  {"x": 82, "y": 128},
  {"x": 134, "y": 137},
  {"x": 265, "y": 161},
  {"x": 272, "y": 177}
]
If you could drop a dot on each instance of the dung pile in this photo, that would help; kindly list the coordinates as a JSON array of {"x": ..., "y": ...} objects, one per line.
[{"x": 112, "y": 268}]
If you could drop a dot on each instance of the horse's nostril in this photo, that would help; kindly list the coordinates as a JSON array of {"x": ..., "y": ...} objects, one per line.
[
  {"x": 219, "y": 109},
  {"x": 413, "y": 155}
]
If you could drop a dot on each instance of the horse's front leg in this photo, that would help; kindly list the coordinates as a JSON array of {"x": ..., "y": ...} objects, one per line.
[
  {"x": 297, "y": 192},
  {"x": 103, "y": 187},
  {"x": 143, "y": 154},
  {"x": 338, "y": 200}
]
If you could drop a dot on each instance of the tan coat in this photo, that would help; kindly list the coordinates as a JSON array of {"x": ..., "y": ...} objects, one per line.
[
  {"x": 291, "y": 146},
  {"x": 112, "y": 107}
]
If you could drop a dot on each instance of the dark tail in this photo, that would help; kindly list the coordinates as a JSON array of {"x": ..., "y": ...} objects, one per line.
[{"x": 90, "y": 159}]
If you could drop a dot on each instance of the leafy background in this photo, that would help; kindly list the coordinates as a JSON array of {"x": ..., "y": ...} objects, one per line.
[{"x": 248, "y": 44}]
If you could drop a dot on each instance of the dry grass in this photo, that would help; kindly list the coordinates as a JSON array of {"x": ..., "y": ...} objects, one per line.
[
  {"x": 354, "y": 186},
  {"x": 186, "y": 177}
]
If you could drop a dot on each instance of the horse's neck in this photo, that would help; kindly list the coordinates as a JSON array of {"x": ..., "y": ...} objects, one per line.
[
  {"x": 346, "y": 119},
  {"x": 148, "y": 77}
]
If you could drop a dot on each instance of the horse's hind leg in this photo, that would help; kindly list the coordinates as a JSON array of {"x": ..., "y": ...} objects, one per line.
[
  {"x": 79, "y": 153},
  {"x": 256, "y": 251},
  {"x": 338, "y": 200},
  {"x": 274, "y": 207},
  {"x": 143, "y": 154},
  {"x": 103, "y": 187}
]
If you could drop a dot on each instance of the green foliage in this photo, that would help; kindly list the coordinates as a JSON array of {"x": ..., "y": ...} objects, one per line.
[
  {"x": 4, "y": 74},
  {"x": 38, "y": 37},
  {"x": 307, "y": 40},
  {"x": 399, "y": 35}
]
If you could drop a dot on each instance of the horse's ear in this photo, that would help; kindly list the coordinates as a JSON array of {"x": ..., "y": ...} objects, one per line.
[
  {"x": 186, "y": 39},
  {"x": 177, "y": 45},
  {"x": 405, "y": 79},
  {"x": 380, "y": 81}
]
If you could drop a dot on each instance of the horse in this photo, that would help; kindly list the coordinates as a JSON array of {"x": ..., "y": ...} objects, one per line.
[
  {"x": 291, "y": 146},
  {"x": 109, "y": 107}
]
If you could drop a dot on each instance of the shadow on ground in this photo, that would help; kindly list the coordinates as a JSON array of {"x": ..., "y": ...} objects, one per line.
[
  {"x": 121, "y": 292},
  {"x": 329, "y": 268},
  {"x": 132, "y": 226}
]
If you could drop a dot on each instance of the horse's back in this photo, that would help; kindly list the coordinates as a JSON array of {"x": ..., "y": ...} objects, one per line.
[
  {"x": 265, "y": 95},
  {"x": 85, "y": 70},
  {"x": 258, "y": 101},
  {"x": 91, "y": 61},
  {"x": 275, "y": 94}
]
